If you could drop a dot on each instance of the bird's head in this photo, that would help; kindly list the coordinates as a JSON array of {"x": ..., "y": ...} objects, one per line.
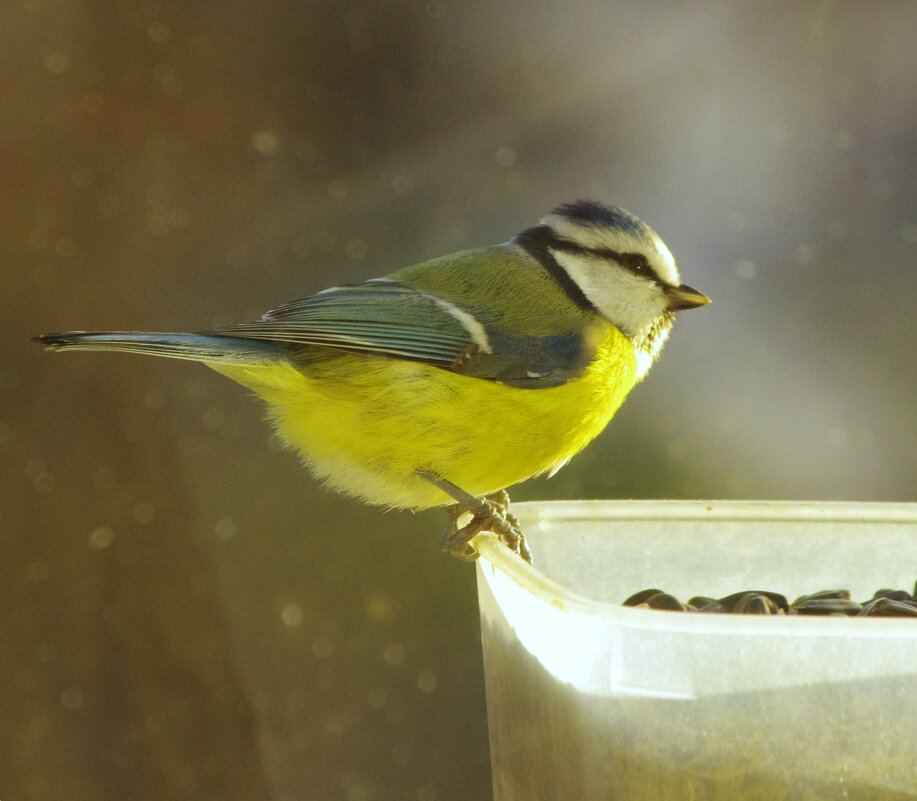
[{"x": 612, "y": 262}]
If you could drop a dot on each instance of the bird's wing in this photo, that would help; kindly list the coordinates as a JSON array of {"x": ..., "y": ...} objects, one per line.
[{"x": 386, "y": 318}]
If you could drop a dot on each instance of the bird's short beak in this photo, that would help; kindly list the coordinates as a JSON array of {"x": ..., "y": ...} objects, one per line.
[{"x": 685, "y": 297}]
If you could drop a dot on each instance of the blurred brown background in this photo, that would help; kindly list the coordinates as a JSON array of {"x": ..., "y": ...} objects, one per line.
[{"x": 183, "y": 612}]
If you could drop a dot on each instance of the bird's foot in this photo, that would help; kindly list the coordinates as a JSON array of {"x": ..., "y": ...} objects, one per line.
[{"x": 487, "y": 514}]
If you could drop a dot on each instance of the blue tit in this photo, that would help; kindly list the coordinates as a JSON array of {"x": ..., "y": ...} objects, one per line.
[{"x": 449, "y": 381}]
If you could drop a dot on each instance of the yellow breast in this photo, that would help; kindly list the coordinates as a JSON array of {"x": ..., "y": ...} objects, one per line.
[{"x": 364, "y": 424}]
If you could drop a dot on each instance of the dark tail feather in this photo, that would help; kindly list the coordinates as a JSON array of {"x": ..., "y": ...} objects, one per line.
[{"x": 196, "y": 347}]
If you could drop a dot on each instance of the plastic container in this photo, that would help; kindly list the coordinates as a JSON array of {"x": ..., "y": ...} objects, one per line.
[{"x": 589, "y": 700}]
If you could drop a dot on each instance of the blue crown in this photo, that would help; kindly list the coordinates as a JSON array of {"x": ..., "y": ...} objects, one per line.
[{"x": 591, "y": 212}]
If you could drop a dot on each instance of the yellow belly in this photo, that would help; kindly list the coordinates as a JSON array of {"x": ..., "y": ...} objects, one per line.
[{"x": 364, "y": 424}]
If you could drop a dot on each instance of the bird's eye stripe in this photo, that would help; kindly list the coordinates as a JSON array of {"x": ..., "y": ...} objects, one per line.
[{"x": 637, "y": 263}]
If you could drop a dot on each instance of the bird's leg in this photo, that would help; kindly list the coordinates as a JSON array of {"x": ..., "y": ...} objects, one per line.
[{"x": 487, "y": 514}]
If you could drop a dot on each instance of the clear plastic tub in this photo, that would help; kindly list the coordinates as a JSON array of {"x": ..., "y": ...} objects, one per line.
[{"x": 589, "y": 700}]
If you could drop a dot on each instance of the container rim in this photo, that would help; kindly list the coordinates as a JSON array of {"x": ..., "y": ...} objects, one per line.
[
  {"x": 497, "y": 558},
  {"x": 869, "y": 512}
]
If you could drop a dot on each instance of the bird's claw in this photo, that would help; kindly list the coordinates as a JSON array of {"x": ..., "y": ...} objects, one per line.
[{"x": 487, "y": 514}]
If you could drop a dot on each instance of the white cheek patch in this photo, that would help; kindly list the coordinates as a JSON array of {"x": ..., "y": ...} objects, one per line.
[{"x": 632, "y": 303}]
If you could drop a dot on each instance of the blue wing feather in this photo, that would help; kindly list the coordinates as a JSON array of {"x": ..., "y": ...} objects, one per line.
[
  {"x": 381, "y": 317},
  {"x": 386, "y": 318}
]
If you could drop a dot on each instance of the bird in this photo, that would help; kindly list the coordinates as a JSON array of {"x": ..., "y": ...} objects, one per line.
[{"x": 446, "y": 382}]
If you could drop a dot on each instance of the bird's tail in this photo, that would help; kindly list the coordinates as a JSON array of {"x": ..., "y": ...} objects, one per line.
[{"x": 208, "y": 347}]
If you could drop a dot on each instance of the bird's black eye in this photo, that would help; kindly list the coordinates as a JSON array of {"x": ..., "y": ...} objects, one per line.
[{"x": 635, "y": 262}]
